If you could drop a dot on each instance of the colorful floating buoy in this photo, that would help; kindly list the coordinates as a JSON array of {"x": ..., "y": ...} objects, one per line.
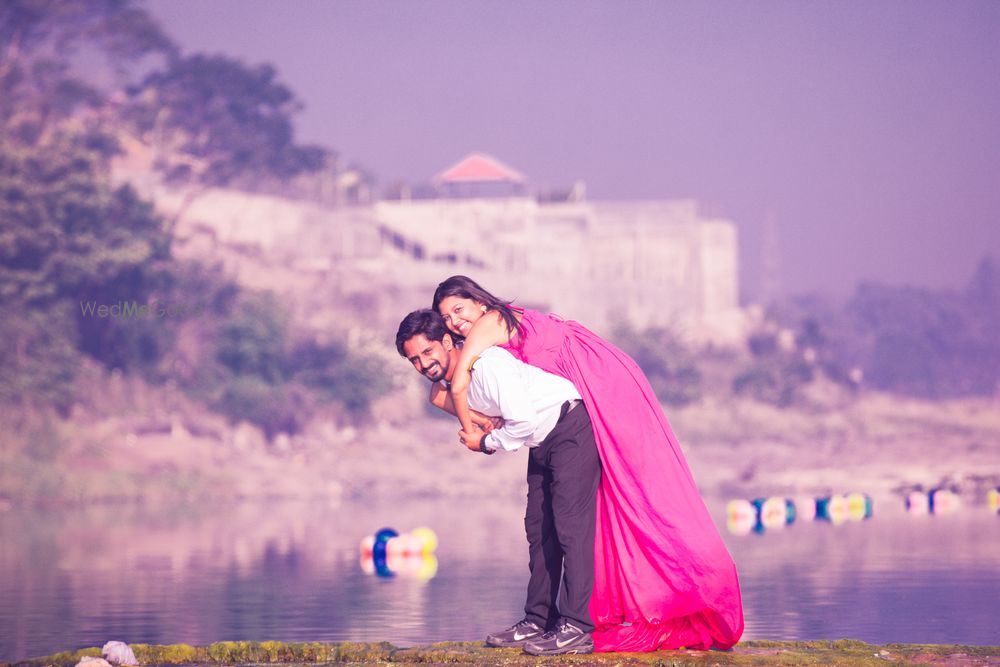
[
  {"x": 823, "y": 508},
  {"x": 427, "y": 537},
  {"x": 944, "y": 501},
  {"x": 774, "y": 513},
  {"x": 918, "y": 502},
  {"x": 805, "y": 508},
  {"x": 741, "y": 516},
  {"x": 838, "y": 510},
  {"x": 834, "y": 509},
  {"x": 790, "y": 513},
  {"x": 387, "y": 553},
  {"x": 859, "y": 506},
  {"x": 993, "y": 500},
  {"x": 759, "y": 514}
]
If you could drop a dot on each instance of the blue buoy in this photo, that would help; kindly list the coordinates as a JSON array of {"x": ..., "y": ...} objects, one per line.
[
  {"x": 382, "y": 538},
  {"x": 823, "y": 508},
  {"x": 790, "y": 512}
]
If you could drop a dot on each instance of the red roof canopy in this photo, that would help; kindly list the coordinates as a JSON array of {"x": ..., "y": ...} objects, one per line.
[{"x": 479, "y": 168}]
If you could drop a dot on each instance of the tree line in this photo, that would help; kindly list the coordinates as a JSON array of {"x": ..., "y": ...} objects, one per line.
[
  {"x": 913, "y": 341},
  {"x": 87, "y": 271}
]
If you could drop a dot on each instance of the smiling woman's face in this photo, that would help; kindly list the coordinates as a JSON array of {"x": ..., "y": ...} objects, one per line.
[{"x": 460, "y": 314}]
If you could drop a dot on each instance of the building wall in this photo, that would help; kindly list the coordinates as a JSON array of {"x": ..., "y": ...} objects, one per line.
[{"x": 647, "y": 263}]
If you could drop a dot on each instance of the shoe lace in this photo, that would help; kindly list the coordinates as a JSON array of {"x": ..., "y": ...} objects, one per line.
[{"x": 565, "y": 626}]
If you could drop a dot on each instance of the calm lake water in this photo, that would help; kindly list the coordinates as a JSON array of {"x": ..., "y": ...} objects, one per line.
[{"x": 292, "y": 572}]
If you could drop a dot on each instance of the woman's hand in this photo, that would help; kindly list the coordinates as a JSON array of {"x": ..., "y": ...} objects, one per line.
[
  {"x": 440, "y": 398},
  {"x": 482, "y": 422}
]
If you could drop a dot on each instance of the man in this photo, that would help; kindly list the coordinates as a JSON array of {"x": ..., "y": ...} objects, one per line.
[{"x": 544, "y": 413}]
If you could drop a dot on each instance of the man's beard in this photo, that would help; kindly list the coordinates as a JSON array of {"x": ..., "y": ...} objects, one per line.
[{"x": 432, "y": 376}]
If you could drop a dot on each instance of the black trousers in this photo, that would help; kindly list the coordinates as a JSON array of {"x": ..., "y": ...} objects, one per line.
[{"x": 564, "y": 472}]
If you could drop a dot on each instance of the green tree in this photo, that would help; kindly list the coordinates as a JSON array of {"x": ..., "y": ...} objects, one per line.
[
  {"x": 776, "y": 379},
  {"x": 776, "y": 375},
  {"x": 338, "y": 373},
  {"x": 213, "y": 120},
  {"x": 932, "y": 343},
  {"x": 252, "y": 340},
  {"x": 39, "y": 357},
  {"x": 262, "y": 372},
  {"x": 68, "y": 238},
  {"x": 667, "y": 363},
  {"x": 39, "y": 42}
]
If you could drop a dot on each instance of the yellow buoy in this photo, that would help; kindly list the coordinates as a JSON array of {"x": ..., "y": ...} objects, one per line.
[
  {"x": 427, "y": 537},
  {"x": 856, "y": 506}
]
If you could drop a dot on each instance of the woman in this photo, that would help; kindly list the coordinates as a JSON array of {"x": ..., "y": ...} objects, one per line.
[{"x": 660, "y": 564}]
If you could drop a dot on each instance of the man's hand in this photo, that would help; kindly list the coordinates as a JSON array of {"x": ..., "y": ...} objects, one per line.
[
  {"x": 471, "y": 439},
  {"x": 486, "y": 423}
]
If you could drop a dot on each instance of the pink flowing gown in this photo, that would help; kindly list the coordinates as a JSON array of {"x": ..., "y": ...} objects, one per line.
[{"x": 660, "y": 564}]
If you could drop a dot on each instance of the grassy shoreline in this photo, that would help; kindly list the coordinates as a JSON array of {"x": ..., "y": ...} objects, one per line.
[{"x": 754, "y": 652}]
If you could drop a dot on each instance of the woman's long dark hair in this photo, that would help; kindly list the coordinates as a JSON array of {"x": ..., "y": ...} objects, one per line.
[{"x": 464, "y": 287}]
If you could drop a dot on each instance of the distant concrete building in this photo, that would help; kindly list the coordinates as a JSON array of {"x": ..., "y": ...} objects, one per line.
[
  {"x": 648, "y": 263},
  {"x": 654, "y": 263}
]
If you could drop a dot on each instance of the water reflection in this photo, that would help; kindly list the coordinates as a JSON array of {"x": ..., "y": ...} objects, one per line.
[
  {"x": 292, "y": 572},
  {"x": 198, "y": 575},
  {"x": 892, "y": 578}
]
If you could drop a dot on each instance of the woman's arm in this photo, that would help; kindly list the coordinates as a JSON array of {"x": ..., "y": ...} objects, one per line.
[{"x": 489, "y": 330}]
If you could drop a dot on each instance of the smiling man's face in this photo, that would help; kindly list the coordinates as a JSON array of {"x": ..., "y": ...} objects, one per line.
[{"x": 431, "y": 358}]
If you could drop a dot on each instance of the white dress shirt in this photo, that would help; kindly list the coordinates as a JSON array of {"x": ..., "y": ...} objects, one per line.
[{"x": 528, "y": 398}]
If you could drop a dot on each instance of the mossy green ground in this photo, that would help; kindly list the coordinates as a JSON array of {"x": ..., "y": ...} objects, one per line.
[{"x": 841, "y": 652}]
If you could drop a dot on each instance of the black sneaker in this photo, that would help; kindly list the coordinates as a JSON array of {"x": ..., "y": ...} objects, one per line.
[
  {"x": 515, "y": 635},
  {"x": 567, "y": 638}
]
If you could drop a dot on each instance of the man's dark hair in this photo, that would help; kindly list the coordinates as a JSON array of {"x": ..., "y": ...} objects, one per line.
[{"x": 424, "y": 321}]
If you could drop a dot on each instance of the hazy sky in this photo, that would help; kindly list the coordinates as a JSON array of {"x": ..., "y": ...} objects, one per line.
[{"x": 870, "y": 130}]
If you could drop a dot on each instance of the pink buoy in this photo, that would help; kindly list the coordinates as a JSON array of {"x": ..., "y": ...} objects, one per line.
[
  {"x": 944, "y": 501},
  {"x": 805, "y": 508},
  {"x": 741, "y": 516},
  {"x": 838, "y": 509},
  {"x": 366, "y": 546},
  {"x": 774, "y": 513},
  {"x": 918, "y": 503},
  {"x": 856, "y": 506}
]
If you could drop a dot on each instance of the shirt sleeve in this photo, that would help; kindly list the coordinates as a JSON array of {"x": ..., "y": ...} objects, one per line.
[{"x": 504, "y": 382}]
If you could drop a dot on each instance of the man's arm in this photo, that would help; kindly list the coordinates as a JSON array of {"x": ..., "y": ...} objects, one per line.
[
  {"x": 502, "y": 380},
  {"x": 441, "y": 398}
]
